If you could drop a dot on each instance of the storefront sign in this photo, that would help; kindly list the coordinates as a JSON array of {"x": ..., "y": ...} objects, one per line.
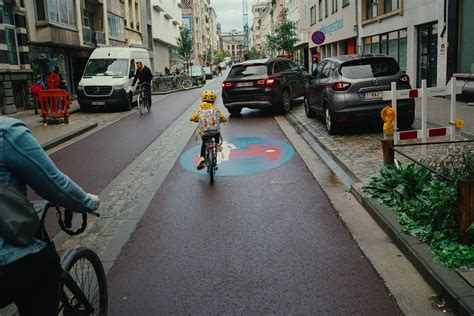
[{"x": 333, "y": 27}]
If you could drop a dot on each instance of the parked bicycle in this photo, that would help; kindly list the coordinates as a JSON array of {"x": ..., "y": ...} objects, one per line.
[
  {"x": 162, "y": 83},
  {"x": 143, "y": 105},
  {"x": 83, "y": 284}
]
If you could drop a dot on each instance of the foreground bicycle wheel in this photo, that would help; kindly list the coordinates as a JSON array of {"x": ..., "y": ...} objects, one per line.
[
  {"x": 211, "y": 166},
  {"x": 85, "y": 268}
]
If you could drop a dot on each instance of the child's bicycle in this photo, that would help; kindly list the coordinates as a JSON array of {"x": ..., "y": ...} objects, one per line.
[
  {"x": 211, "y": 156},
  {"x": 82, "y": 281},
  {"x": 142, "y": 100}
]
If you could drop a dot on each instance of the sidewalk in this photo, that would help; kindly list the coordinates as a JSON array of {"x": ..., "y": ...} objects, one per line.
[{"x": 52, "y": 135}]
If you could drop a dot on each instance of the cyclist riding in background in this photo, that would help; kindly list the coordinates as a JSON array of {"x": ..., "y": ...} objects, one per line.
[
  {"x": 144, "y": 76},
  {"x": 208, "y": 98},
  {"x": 29, "y": 275}
]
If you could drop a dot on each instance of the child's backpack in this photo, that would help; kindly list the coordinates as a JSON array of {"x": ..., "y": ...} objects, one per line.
[
  {"x": 209, "y": 122},
  {"x": 36, "y": 88}
]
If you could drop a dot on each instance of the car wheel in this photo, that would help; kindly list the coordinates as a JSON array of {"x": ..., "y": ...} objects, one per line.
[
  {"x": 285, "y": 102},
  {"x": 331, "y": 125},
  {"x": 234, "y": 112},
  {"x": 309, "y": 112}
]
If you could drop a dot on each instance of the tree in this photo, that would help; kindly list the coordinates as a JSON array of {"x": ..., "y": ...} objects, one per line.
[
  {"x": 285, "y": 36},
  {"x": 185, "y": 45},
  {"x": 253, "y": 53}
]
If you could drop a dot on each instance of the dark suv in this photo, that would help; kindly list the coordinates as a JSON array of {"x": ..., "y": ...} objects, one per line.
[
  {"x": 350, "y": 87},
  {"x": 263, "y": 83}
]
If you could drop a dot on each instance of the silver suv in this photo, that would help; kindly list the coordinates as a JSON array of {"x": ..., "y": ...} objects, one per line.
[{"x": 350, "y": 87}]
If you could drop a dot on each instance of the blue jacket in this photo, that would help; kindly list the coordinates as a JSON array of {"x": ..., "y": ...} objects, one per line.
[{"x": 24, "y": 162}]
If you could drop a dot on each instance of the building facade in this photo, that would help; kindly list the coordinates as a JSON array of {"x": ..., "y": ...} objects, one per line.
[
  {"x": 15, "y": 70},
  {"x": 257, "y": 39},
  {"x": 196, "y": 19},
  {"x": 409, "y": 31},
  {"x": 234, "y": 42},
  {"x": 166, "y": 21},
  {"x": 63, "y": 33}
]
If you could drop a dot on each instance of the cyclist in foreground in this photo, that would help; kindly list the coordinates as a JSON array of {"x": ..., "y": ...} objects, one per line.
[
  {"x": 144, "y": 77},
  {"x": 207, "y": 115},
  {"x": 29, "y": 275}
]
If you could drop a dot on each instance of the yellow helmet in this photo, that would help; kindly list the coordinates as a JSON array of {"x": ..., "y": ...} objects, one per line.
[{"x": 209, "y": 96}]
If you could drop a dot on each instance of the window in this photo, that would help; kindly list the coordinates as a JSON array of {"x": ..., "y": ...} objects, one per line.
[
  {"x": 313, "y": 15},
  {"x": 334, "y": 6},
  {"x": 393, "y": 44},
  {"x": 131, "y": 70},
  {"x": 116, "y": 26},
  {"x": 60, "y": 11},
  {"x": 10, "y": 34},
  {"x": 345, "y": 3},
  {"x": 390, "y": 5},
  {"x": 367, "y": 68},
  {"x": 320, "y": 10},
  {"x": 371, "y": 8},
  {"x": 326, "y": 8}
]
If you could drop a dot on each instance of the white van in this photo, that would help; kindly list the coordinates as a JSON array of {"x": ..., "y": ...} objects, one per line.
[{"x": 108, "y": 76}]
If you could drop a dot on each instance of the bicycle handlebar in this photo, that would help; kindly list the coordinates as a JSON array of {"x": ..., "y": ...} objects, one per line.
[{"x": 66, "y": 223}]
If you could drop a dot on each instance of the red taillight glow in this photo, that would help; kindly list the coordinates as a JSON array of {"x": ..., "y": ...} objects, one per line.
[
  {"x": 226, "y": 84},
  {"x": 404, "y": 79},
  {"x": 267, "y": 82},
  {"x": 340, "y": 86}
]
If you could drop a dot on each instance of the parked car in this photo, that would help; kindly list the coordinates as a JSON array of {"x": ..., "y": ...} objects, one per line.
[
  {"x": 198, "y": 74},
  {"x": 350, "y": 87},
  {"x": 264, "y": 83},
  {"x": 208, "y": 72}
]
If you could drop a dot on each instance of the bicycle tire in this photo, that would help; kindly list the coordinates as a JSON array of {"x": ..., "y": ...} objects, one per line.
[
  {"x": 212, "y": 166},
  {"x": 141, "y": 104},
  {"x": 98, "y": 299},
  {"x": 187, "y": 84}
]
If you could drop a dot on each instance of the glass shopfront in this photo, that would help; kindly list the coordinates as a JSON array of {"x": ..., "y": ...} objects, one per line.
[
  {"x": 393, "y": 44},
  {"x": 43, "y": 59}
]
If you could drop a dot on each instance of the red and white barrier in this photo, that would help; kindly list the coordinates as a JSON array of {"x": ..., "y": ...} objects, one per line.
[{"x": 424, "y": 93}]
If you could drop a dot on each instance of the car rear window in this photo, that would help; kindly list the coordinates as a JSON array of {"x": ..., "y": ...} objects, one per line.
[
  {"x": 368, "y": 68},
  {"x": 248, "y": 70}
]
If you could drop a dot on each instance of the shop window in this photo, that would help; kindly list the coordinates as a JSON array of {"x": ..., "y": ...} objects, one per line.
[
  {"x": 371, "y": 8},
  {"x": 116, "y": 26},
  {"x": 375, "y": 46},
  {"x": 391, "y": 5}
]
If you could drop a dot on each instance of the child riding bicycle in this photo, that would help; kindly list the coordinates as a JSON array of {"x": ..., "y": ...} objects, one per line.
[{"x": 209, "y": 119}]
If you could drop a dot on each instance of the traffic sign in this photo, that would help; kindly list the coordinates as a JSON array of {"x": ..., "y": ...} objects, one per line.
[{"x": 318, "y": 37}]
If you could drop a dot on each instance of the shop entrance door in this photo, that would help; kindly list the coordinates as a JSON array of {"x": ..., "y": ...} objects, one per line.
[{"x": 427, "y": 61}]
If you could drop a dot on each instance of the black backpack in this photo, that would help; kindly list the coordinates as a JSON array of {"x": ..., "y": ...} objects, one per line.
[{"x": 19, "y": 221}]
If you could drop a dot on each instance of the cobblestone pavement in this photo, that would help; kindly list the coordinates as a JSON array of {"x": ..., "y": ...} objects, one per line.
[{"x": 359, "y": 148}]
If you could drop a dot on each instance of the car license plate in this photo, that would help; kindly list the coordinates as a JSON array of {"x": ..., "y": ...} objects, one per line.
[
  {"x": 373, "y": 95},
  {"x": 244, "y": 84},
  {"x": 98, "y": 103}
]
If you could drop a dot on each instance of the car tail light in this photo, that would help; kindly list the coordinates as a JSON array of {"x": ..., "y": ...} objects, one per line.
[
  {"x": 226, "y": 84},
  {"x": 404, "y": 79},
  {"x": 340, "y": 86},
  {"x": 267, "y": 82}
]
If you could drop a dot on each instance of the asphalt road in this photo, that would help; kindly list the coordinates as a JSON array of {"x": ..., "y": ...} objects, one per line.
[{"x": 268, "y": 242}]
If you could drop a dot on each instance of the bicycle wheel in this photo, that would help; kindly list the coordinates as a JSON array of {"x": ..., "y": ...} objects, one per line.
[
  {"x": 212, "y": 166},
  {"x": 187, "y": 83},
  {"x": 85, "y": 268},
  {"x": 141, "y": 106}
]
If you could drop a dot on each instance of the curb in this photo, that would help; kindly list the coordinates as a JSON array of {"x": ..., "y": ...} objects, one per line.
[
  {"x": 452, "y": 286},
  {"x": 447, "y": 282},
  {"x": 67, "y": 136}
]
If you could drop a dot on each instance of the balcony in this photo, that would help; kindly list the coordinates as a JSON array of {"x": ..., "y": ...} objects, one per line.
[
  {"x": 169, "y": 17},
  {"x": 158, "y": 8}
]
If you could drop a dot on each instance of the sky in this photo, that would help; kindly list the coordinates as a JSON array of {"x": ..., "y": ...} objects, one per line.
[{"x": 230, "y": 15}]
